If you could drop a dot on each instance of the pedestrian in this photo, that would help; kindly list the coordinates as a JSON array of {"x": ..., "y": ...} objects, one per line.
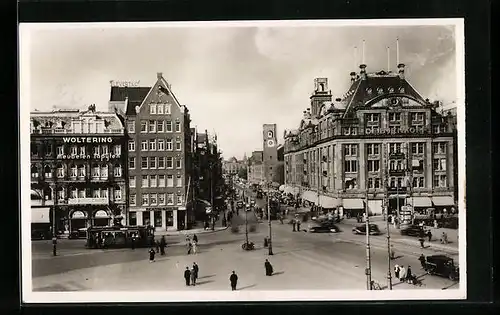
[
  {"x": 429, "y": 235},
  {"x": 298, "y": 225},
  {"x": 421, "y": 240},
  {"x": 422, "y": 260},
  {"x": 402, "y": 273},
  {"x": 157, "y": 245},
  {"x": 193, "y": 276},
  {"x": 269, "y": 268},
  {"x": 196, "y": 270},
  {"x": 133, "y": 241},
  {"x": 397, "y": 270},
  {"x": 393, "y": 253},
  {"x": 189, "y": 248},
  {"x": 409, "y": 276},
  {"x": 163, "y": 244},
  {"x": 294, "y": 223},
  {"x": 187, "y": 275},
  {"x": 195, "y": 238},
  {"x": 444, "y": 238},
  {"x": 233, "y": 279},
  {"x": 435, "y": 224},
  {"x": 152, "y": 255},
  {"x": 195, "y": 246}
]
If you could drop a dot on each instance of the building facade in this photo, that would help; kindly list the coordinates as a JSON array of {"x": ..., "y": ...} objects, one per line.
[
  {"x": 255, "y": 168},
  {"x": 159, "y": 154},
  {"x": 381, "y": 145},
  {"x": 269, "y": 152},
  {"x": 233, "y": 166},
  {"x": 78, "y": 169}
]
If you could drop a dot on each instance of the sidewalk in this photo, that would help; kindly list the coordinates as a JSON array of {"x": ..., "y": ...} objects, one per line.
[{"x": 218, "y": 227}]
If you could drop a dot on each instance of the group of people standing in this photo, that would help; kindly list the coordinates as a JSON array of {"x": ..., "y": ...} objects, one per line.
[
  {"x": 404, "y": 274},
  {"x": 191, "y": 275},
  {"x": 192, "y": 244},
  {"x": 160, "y": 248}
]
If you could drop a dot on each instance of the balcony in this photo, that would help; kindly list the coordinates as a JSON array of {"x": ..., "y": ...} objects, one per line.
[
  {"x": 88, "y": 201},
  {"x": 51, "y": 131}
]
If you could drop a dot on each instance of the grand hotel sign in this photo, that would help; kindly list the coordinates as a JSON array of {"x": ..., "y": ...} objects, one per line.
[{"x": 394, "y": 130}]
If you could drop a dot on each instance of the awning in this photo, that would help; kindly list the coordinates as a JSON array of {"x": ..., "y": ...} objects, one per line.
[
  {"x": 353, "y": 204},
  {"x": 40, "y": 215},
  {"x": 101, "y": 214},
  {"x": 310, "y": 196},
  {"x": 375, "y": 206},
  {"x": 423, "y": 202},
  {"x": 443, "y": 201},
  {"x": 328, "y": 202}
]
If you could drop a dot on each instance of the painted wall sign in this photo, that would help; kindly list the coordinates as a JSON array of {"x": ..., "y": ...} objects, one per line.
[
  {"x": 88, "y": 140},
  {"x": 101, "y": 157},
  {"x": 117, "y": 83},
  {"x": 392, "y": 131}
]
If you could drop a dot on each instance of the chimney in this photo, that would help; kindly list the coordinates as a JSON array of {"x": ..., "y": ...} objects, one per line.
[
  {"x": 362, "y": 71},
  {"x": 353, "y": 76},
  {"x": 159, "y": 75},
  {"x": 401, "y": 70}
]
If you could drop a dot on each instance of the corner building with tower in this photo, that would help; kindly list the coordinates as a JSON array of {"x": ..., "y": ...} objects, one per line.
[
  {"x": 382, "y": 145},
  {"x": 159, "y": 145}
]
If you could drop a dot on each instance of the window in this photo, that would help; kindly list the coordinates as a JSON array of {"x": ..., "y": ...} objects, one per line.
[
  {"x": 73, "y": 193},
  {"x": 178, "y": 163},
  {"x": 131, "y": 181},
  {"x": 161, "y": 180},
  {"x": 373, "y": 118},
  {"x": 145, "y": 199},
  {"x": 105, "y": 150},
  {"x": 396, "y": 165},
  {"x": 60, "y": 150},
  {"x": 60, "y": 171},
  {"x": 153, "y": 181},
  {"x": 131, "y": 163},
  {"x": 351, "y": 166},
  {"x": 81, "y": 171},
  {"x": 169, "y": 145},
  {"x": 374, "y": 183},
  {"x": 179, "y": 180},
  {"x": 439, "y": 148},
  {"x": 81, "y": 193},
  {"x": 152, "y": 162},
  {"x": 152, "y": 145},
  {"x": 168, "y": 125},
  {"x": 131, "y": 145},
  {"x": 152, "y": 109},
  {"x": 161, "y": 199},
  {"x": 418, "y": 182},
  {"x": 72, "y": 171},
  {"x": 161, "y": 162},
  {"x": 160, "y": 109},
  {"x": 95, "y": 150},
  {"x": 178, "y": 145},
  {"x": 96, "y": 171},
  {"x": 117, "y": 171},
  {"x": 144, "y": 145},
  {"x": 117, "y": 149},
  {"x": 170, "y": 180},
  {"x": 177, "y": 126},
  {"x": 152, "y": 126},
  {"x": 346, "y": 131},
  {"x": 161, "y": 145},
  {"x": 170, "y": 162},
  {"x": 417, "y": 148},
  {"x": 417, "y": 118},
  {"x": 439, "y": 180},
  {"x": 131, "y": 126},
  {"x": 104, "y": 171},
  {"x": 168, "y": 109},
  {"x": 396, "y": 182},
  {"x": 118, "y": 193},
  {"x": 153, "y": 199},
  {"x": 82, "y": 150},
  {"x": 170, "y": 198},
  {"x": 373, "y": 166},
  {"x": 74, "y": 150},
  {"x": 394, "y": 117},
  {"x": 159, "y": 126},
  {"x": 439, "y": 164},
  {"x": 350, "y": 150},
  {"x": 132, "y": 199},
  {"x": 144, "y": 126},
  {"x": 179, "y": 199},
  {"x": 96, "y": 193},
  {"x": 144, "y": 162},
  {"x": 145, "y": 181},
  {"x": 394, "y": 148},
  {"x": 373, "y": 148}
]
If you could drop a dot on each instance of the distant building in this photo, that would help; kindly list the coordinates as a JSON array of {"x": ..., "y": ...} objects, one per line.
[
  {"x": 78, "y": 169},
  {"x": 233, "y": 166},
  {"x": 255, "y": 168}
]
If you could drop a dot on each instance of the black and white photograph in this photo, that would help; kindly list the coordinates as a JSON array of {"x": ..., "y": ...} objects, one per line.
[{"x": 243, "y": 161}]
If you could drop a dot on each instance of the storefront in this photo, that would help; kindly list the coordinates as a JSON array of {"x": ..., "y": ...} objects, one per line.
[
  {"x": 419, "y": 203},
  {"x": 160, "y": 218},
  {"x": 78, "y": 220},
  {"x": 101, "y": 218},
  {"x": 354, "y": 206},
  {"x": 442, "y": 203}
]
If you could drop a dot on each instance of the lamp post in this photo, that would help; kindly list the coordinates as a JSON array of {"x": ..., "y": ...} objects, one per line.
[
  {"x": 386, "y": 216},
  {"x": 368, "y": 271},
  {"x": 270, "y": 246}
]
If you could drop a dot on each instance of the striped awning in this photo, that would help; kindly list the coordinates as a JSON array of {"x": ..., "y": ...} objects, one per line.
[
  {"x": 328, "y": 202},
  {"x": 419, "y": 201},
  {"x": 353, "y": 204},
  {"x": 443, "y": 201}
]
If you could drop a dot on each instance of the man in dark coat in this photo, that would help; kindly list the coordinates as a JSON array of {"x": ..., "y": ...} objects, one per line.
[
  {"x": 422, "y": 260},
  {"x": 195, "y": 238},
  {"x": 163, "y": 244},
  {"x": 152, "y": 255},
  {"x": 294, "y": 223},
  {"x": 233, "y": 279},
  {"x": 187, "y": 275},
  {"x": 196, "y": 270},
  {"x": 409, "y": 276},
  {"x": 298, "y": 225},
  {"x": 269, "y": 268}
]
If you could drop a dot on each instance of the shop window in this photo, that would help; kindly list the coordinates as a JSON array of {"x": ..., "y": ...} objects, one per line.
[
  {"x": 34, "y": 171},
  {"x": 146, "y": 218},
  {"x": 158, "y": 218},
  {"x": 170, "y": 218},
  {"x": 132, "y": 218}
]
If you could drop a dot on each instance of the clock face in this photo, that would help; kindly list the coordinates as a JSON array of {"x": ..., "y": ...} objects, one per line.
[
  {"x": 270, "y": 143},
  {"x": 270, "y": 134}
]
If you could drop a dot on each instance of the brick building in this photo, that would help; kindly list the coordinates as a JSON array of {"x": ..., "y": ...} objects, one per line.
[
  {"x": 381, "y": 141},
  {"x": 159, "y": 153},
  {"x": 78, "y": 169}
]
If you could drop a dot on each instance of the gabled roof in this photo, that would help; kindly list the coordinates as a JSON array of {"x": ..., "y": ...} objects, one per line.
[{"x": 136, "y": 96}]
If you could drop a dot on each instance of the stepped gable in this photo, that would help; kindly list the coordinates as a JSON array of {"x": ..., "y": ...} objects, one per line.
[{"x": 136, "y": 96}]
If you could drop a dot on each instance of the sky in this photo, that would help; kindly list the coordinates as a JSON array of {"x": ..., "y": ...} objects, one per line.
[{"x": 233, "y": 79}]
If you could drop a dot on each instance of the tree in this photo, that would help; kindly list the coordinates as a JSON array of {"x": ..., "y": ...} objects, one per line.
[{"x": 242, "y": 173}]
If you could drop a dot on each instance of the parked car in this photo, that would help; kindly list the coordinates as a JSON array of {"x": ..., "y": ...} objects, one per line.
[
  {"x": 412, "y": 230},
  {"x": 442, "y": 265},
  {"x": 361, "y": 229},
  {"x": 80, "y": 233},
  {"x": 322, "y": 227},
  {"x": 40, "y": 234}
]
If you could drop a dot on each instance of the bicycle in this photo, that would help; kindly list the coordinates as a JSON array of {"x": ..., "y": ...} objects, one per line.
[{"x": 376, "y": 285}]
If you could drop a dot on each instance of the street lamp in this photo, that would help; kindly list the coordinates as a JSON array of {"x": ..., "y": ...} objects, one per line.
[
  {"x": 270, "y": 243},
  {"x": 368, "y": 271}
]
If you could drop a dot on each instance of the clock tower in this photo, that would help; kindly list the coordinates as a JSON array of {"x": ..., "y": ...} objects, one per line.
[{"x": 270, "y": 151}]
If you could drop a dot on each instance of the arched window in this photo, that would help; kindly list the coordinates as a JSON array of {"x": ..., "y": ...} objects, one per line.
[
  {"x": 81, "y": 170},
  {"x": 47, "y": 193},
  {"x": 34, "y": 171},
  {"x": 104, "y": 171},
  {"x": 96, "y": 171},
  {"x": 47, "y": 171},
  {"x": 322, "y": 87},
  {"x": 117, "y": 170},
  {"x": 73, "y": 170},
  {"x": 73, "y": 193},
  {"x": 118, "y": 193},
  {"x": 60, "y": 193},
  {"x": 60, "y": 170}
]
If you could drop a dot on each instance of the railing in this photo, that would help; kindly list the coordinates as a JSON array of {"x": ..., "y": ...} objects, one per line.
[{"x": 66, "y": 131}]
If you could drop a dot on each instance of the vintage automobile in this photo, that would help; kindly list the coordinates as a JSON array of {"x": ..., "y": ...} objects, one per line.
[
  {"x": 361, "y": 229},
  {"x": 40, "y": 234},
  {"x": 322, "y": 227},
  {"x": 412, "y": 230},
  {"x": 441, "y": 265},
  {"x": 80, "y": 233}
]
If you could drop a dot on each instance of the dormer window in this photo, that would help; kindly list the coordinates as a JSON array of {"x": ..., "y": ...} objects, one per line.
[
  {"x": 391, "y": 90},
  {"x": 401, "y": 90},
  {"x": 369, "y": 91},
  {"x": 380, "y": 91}
]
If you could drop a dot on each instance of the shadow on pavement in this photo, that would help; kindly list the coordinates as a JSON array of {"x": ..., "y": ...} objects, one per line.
[
  {"x": 204, "y": 282},
  {"x": 247, "y": 287},
  {"x": 208, "y": 276},
  {"x": 278, "y": 273}
]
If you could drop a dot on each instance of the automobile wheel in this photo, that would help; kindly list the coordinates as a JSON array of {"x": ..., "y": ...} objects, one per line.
[{"x": 452, "y": 276}]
